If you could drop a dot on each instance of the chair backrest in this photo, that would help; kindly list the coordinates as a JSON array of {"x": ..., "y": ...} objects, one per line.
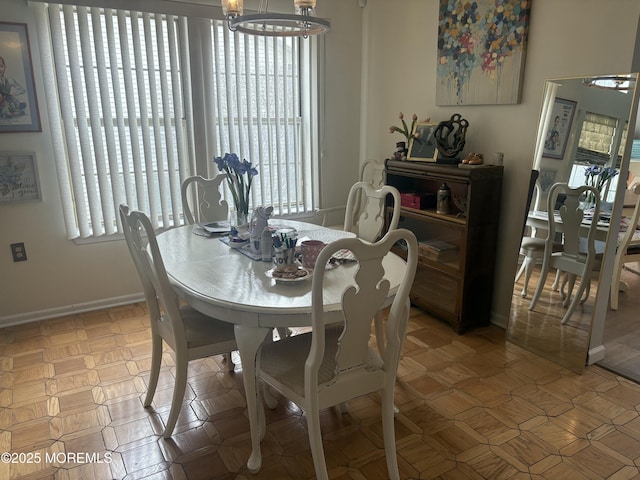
[
  {"x": 143, "y": 246},
  {"x": 576, "y": 239},
  {"x": 627, "y": 238},
  {"x": 373, "y": 172},
  {"x": 360, "y": 302},
  {"x": 202, "y": 200},
  {"x": 366, "y": 208}
]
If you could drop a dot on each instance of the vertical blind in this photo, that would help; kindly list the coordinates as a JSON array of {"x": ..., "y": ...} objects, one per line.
[{"x": 123, "y": 118}]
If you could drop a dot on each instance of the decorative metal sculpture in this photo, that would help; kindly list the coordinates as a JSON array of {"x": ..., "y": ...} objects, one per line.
[{"x": 450, "y": 135}]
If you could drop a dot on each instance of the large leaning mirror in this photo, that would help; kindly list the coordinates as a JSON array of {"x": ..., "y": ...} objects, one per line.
[{"x": 583, "y": 139}]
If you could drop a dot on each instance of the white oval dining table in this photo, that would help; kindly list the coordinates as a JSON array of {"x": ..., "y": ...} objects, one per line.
[{"x": 226, "y": 284}]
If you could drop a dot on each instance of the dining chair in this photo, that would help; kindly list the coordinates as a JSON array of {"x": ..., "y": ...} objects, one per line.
[
  {"x": 202, "y": 199},
  {"x": 532, "y": 246},
  {"x": 366, "y": 213},
  {"x": 628, "y": 248},
  {"x": 332, "y": 364},
  {"x": 189, "y": 333},
  {"x": 578, "y": 256},
  {"x": 371, "y": 171}
]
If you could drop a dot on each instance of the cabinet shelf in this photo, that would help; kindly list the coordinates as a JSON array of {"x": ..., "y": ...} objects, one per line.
[
  {"x": 451, "y": 217},
  {"x": 454, "y": 278}
]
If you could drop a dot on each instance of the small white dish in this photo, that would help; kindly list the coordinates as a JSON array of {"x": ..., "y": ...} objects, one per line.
[{"x": 238, "y": 244}]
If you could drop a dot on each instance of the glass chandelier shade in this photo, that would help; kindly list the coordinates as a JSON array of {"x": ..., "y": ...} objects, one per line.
[{"x": 301, "y": 24}]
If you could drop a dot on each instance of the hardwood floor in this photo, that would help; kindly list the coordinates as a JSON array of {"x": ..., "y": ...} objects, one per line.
[
  {"x": 540, "y": 330},
  {"x": 471, "y": 407}
]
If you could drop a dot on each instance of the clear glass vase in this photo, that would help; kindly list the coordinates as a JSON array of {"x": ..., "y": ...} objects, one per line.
[{"x": 240, "y": 218}]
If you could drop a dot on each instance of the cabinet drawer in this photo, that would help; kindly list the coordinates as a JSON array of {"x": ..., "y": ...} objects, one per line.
[{"x": 434, "y": 289}]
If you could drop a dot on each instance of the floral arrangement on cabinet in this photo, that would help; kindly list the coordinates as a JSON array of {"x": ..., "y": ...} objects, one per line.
[
  {"x": 408, "y": 132},
  {"x": 239, "y": 179}
]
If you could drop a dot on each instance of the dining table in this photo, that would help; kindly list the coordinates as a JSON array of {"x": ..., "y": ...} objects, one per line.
[
  {"x": 229, "y": 285},
  {"x": 540, "y": 219}
]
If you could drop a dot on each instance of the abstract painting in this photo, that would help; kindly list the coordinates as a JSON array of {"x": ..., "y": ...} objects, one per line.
[{"x": 481, "y": 51}]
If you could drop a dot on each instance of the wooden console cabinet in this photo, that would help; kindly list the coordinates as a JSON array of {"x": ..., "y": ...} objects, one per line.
[{"x": 454, "y": 280}]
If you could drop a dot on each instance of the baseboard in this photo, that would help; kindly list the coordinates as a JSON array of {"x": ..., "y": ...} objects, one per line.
[
  {"x": 47, "y": 314},
  {"x": 499, "y": 320},
  {"x": 595, "y": 354}
]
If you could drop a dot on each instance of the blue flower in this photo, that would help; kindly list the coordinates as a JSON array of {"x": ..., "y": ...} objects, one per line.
[{"x": 236, "y": 170}]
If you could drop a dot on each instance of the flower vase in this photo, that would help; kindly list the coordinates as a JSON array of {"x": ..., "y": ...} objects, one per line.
[
  {"x": 242, "y": 218},
  {"x": 589, "y": 200}
]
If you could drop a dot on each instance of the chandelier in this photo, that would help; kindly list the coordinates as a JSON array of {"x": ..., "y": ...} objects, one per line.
[
  {"x": 620, "y": 83},
  {"x": 302, "y": 23}
]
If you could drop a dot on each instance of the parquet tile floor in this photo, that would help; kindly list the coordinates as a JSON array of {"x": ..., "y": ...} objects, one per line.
[{"x": 471, "y": 407}]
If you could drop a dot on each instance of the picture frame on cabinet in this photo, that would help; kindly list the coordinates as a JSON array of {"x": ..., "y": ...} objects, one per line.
[
  {"x": 18, "y": 102},
  {"x": 19, "y": 178},
  {"x": 422, "y": 146}
]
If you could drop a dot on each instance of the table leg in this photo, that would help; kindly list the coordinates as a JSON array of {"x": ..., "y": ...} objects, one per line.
[{"x": 249, "y": 340}]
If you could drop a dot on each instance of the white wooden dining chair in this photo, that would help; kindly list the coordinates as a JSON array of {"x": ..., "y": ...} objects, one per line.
[
  {"x": 329, "y": 366},
  {"x": 372, "y": 172},
  {"x": 366, "y": 213},
  {"x": 202, "y": 199},
  {"x": 578, "y": 257},
  {"x": 628, "y": 249},
  {"x": 189, "y": 333},
  {"x": 532, "y": 246}
]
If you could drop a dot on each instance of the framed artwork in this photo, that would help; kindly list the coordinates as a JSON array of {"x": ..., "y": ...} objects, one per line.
[
  {"x": 557, "y": 134},
  {"x": 18, "y": 103},
  {"x": 481, "y": 51},
  {"x": 422, "y": 146},
  {"x": 18, "y": 178}
]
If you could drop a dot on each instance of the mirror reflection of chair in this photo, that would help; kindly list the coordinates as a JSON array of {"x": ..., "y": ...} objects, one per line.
[
  {"x": 202, "y": 200},
  {"x": 189, "y": 333},
  {"x": 532, "y": 247},
  {"x": 329, "y": 366},
  {"x": 578, "y": 257},
  {"x": 628, "y": 249}
]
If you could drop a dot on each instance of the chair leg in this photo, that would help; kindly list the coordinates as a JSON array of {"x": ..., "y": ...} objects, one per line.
[
  {"x": 587, "y": 291},
  {"x": 617, "y": 269},
  {"x": 541, "y": 282},
  {"x": 389, "y": 434},
  {"x": 528, "y": 268},
  {"x": 571, "y": 279},
  {"x": 520, "y": 270},
  {"x": 556, "y": 282},
  {"x": 178, "y": 395},
  {"x": 584, "y": 281},
  {"x": 229, "y": 360},
  {"x": 315, "y": 441},
  {"x": 156, "y": 361}
]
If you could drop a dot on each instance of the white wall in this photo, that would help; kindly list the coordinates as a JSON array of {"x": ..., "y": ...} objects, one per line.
[{"x": 568, "y": 38}]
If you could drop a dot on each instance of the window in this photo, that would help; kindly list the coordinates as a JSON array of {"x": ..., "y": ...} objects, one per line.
[
  {"x": 138, "y": 109},
  {"x": 600, "y": 135}
]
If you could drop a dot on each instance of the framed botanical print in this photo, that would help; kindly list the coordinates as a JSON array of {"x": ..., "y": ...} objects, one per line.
[
  {"x": 18, "y": 102},
  {"x": 18, "y": 178}
]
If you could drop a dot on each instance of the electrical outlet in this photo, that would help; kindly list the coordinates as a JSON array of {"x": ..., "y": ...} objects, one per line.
[{"x": 18, "y": 251}]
